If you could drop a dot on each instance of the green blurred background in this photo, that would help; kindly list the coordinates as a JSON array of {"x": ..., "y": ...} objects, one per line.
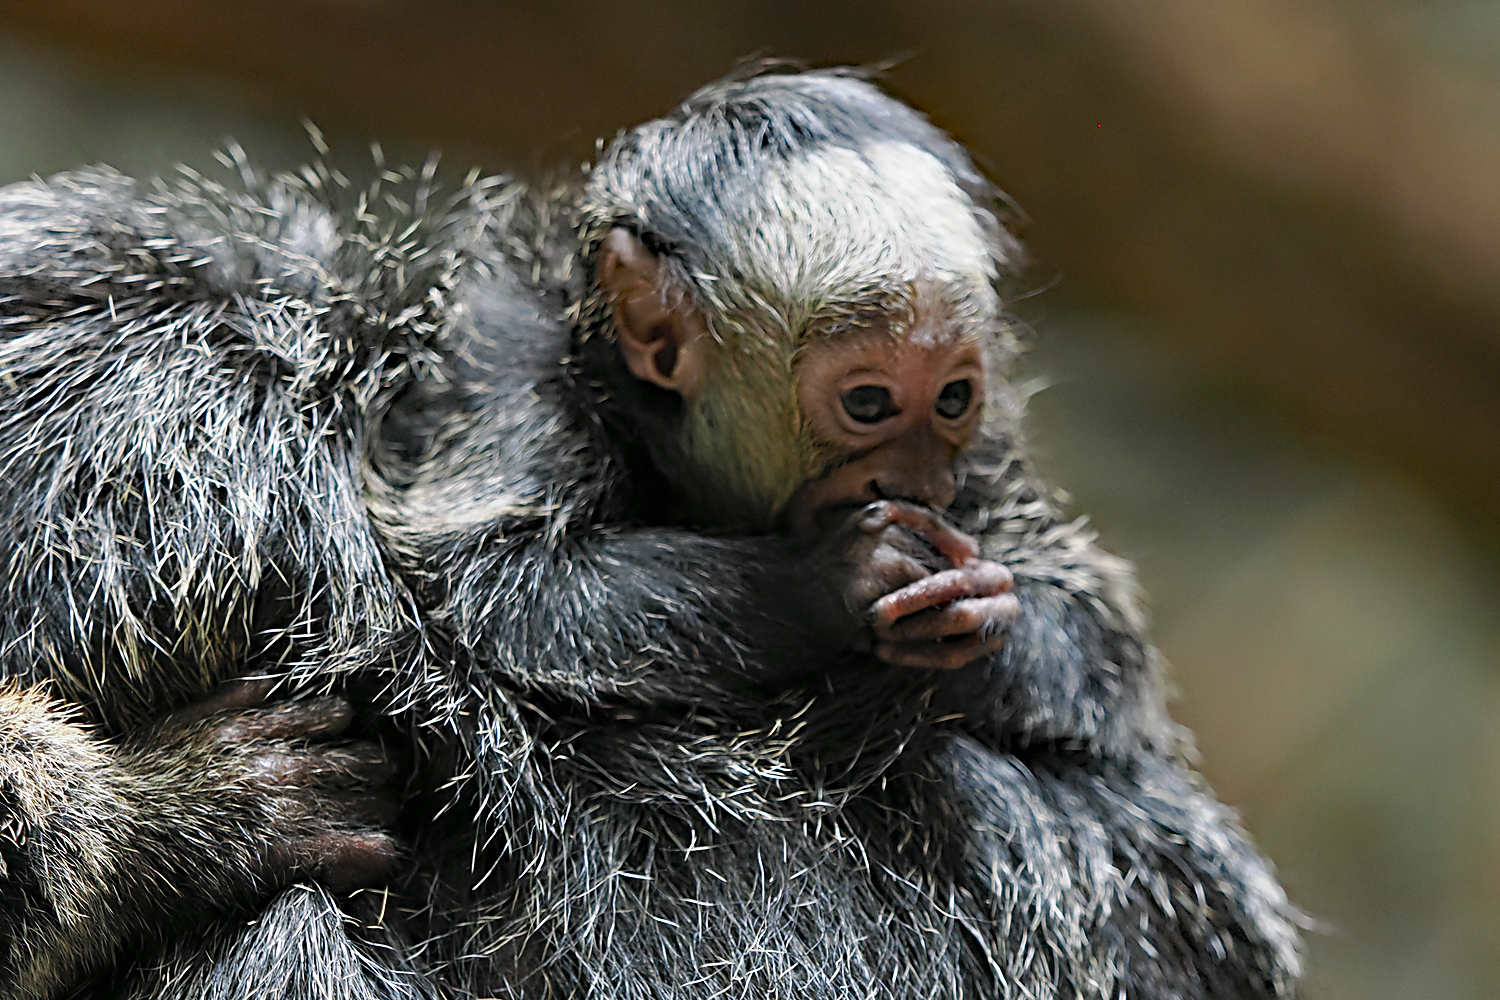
[{"x": 1266, "y": 263}]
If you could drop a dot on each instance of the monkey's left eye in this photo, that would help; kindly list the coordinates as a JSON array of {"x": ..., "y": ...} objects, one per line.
[
  {"x": 953, "y": 402},
  {"x": 869, "y": 404}
]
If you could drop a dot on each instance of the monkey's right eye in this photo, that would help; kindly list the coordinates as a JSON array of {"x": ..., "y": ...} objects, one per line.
[{"x": 869, "y": 404}]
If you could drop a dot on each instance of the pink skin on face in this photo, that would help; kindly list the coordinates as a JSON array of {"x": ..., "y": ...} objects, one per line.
[{"x": 899, "y": 410}]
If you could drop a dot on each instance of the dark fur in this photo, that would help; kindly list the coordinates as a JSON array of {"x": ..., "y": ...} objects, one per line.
[{"x": 655, "y": 777}]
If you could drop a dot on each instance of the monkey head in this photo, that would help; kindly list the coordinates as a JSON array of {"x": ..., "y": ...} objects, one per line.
[
  {"x": 797, "y": 273},
  {"x": 808, "y": 266}
]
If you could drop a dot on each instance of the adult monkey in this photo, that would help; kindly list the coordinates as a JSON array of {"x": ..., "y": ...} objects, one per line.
[
  {"x": 186, "y": 379},
  {"x": 690, "y": 768}
]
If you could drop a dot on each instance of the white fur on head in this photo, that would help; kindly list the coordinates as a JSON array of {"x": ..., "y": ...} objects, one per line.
[{"x": 838, "y": 227}]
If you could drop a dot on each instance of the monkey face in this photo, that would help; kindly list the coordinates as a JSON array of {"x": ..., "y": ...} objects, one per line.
[{"x": 892, "y": 407}]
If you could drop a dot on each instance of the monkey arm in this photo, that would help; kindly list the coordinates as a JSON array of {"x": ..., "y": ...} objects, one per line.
[
  {"x": 1076, "y": 664},
  {"x": 103, "y": 846},
  {"x": 648, "y": 614},
  {"x": 1131, "y": 864},
  {"x": 98, "y": 848},
  {"x": 512, "y": 528}
]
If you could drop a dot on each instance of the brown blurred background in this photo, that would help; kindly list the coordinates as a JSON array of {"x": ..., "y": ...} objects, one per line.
[{"x": 1266, "y": 241}]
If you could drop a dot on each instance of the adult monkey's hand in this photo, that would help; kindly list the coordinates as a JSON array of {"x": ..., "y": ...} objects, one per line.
[
  {"x": 321, "y": 799},
  {"x": 919, "y": 585}
]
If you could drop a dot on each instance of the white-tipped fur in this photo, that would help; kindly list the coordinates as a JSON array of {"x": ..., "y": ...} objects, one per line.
[{"x": 841, "y": 216}]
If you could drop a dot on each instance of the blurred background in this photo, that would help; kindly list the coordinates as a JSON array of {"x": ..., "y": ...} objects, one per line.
[{"x": 1266, "y": 265}]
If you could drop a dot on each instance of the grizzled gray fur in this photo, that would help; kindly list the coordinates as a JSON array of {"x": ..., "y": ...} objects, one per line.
[{"x": 374, "y": 442}]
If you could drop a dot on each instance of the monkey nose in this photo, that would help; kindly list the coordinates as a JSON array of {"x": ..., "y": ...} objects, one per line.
[{"x": 924, "y": 476}]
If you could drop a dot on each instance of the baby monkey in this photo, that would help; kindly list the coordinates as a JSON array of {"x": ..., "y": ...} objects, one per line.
[{"x": 887, "y": 407}]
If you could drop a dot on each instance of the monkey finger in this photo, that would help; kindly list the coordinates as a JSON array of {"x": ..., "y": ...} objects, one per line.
[
  {"x": 885, "y": 571},
  {"x": 236, "y": 694},
  {"x": 979, "y": 615},
  {"x": 913, "y": 546},
  {"x": 955, "y": 546},
  {"x": 343, "y": 862},
  {"x": 361, "y": 763},
  {"x": 316, "y": 717},
  {"x": 938, "y": 655},
  {"x": 979, "y": 579},
  {"x": 360, "y": 809},
  {"x": 243, "y": 692},
  {"x": 277, "y": 769}
]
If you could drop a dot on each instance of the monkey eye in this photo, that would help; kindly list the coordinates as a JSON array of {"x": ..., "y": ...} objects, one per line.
[
  {"x": 869, "y": 404},
  {"x": 953, "y": 402}
]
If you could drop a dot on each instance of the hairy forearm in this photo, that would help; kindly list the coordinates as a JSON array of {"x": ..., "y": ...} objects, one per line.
[
  {"x": 654, "y": 615},
  {"x": 60, "y": 816},
  {"x": 98, "y": 848},
  {"x": 1067, "y": 672}
]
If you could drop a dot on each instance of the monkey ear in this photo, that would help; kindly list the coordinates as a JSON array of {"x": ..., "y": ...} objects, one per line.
[{"x": 661, "y": 342}]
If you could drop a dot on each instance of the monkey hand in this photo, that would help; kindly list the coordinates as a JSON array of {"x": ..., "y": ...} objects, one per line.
[
  {"x": 919, "y": 583},
  {"x": 311, "y": 808}
]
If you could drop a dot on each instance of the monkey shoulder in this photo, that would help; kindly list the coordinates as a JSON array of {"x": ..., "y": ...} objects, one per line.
[
  {"x": 277, "y": 265},
  {"x": 187, "y": 372},
  {"x": 494, "y": 441},
  {"x": 91, "y": 236}
]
